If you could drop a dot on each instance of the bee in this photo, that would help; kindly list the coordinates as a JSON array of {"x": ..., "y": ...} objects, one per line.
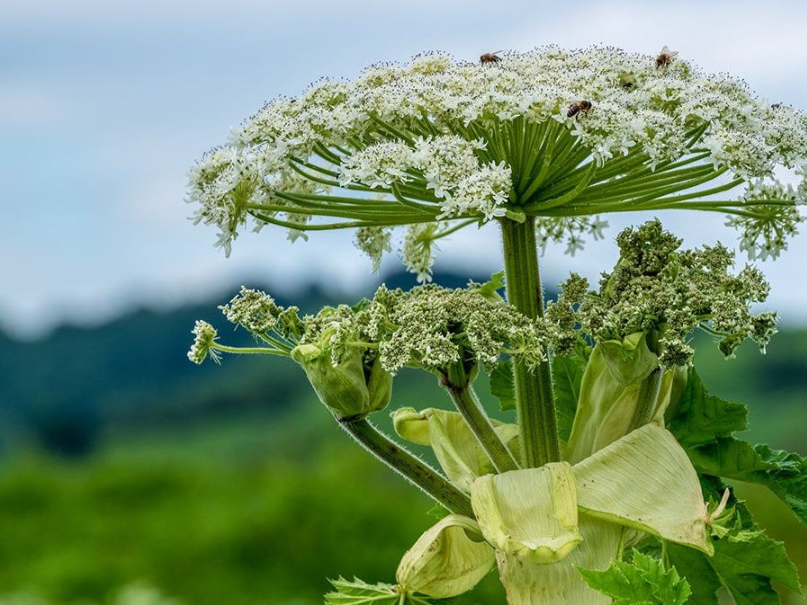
[
  {"x": 776, "y": 106},
  {"x": 665, "y": 57},
  {"x": 578, "y": 108},
  {"x": 490, "y": 58}
]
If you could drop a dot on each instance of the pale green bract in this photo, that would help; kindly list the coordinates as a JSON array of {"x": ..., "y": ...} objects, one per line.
[
  {"x": 538, "y": 519},
  {"x": 645, "y": 480},
  {"x": 445, "y": 561},
  {"x": 529, "y": 514},
  {"x": 459, "y": 453}
]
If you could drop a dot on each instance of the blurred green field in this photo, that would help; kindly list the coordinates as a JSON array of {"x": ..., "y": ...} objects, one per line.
[{"x": 232, "y": 518}]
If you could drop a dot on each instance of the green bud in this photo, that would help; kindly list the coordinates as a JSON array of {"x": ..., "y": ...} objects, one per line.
[
  {"x": 449, "y": 559},
  {"x": 530, "y": 514},
  {"x": 342, "y": 387},
  {"x": 379, "y": 386},
  {"x": 610, "y": 394}
]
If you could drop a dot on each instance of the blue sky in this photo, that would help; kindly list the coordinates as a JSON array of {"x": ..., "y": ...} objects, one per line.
[{"x": 104, "y": 105}]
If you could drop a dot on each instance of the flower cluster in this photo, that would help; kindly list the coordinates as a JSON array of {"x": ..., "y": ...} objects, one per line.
[
  {"x": 374, "y": 242},
  {"x": 433, "y": 327},
  {"x": 554, "y": 134},
  {"x": 766, "y": 232},
  {"x": 447, "y": 165},
  {"x": 429, "y": 327},
  {"x": 203, "y": 343},
  {"x": 259, "y": 314},
  {"x": 665, "y": 293}
]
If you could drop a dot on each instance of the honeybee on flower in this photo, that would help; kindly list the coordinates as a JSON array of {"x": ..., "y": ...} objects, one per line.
[
  {"x": 488, "y": 58},
  {"x": 665, "y": 57},
  {"x": 578, "y": 108}
]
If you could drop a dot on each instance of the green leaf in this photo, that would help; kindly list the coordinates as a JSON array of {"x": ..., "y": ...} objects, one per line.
[
  {"x": 567, "y": 374},
  {"x": 748, "y": 566},
  {"x": 644, "y": 582},
  {"x": 701, "y": 576},
  {"x": 746, "y": 562},
  {"x": 489, "y": 288},
  {"x": 701, "y": 417},
  {"x": 502, "y": 385},
  {"x": 703, "y": 424},
  {"x": 784, "y": 473},
  {"x": 358, "y": 592}
]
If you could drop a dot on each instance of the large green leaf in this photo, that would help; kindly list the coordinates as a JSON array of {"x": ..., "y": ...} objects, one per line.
[
  {"x": 746, "y": 563},
  {"x": 701, "y": 417},
  {"x": 699, "y": 573},
  {"x": 703, "y": 424},
  {"x": 645, "y": 581},
  {"x": 784, "y": 473}
]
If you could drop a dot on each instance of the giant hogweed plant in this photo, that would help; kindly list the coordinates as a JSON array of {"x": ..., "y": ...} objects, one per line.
[{"x": 611, "y": 485}]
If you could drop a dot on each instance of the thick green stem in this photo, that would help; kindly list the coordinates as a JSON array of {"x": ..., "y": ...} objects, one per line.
[
  {"x": 408, "y": 466},
  {"x": 471, "y": 410},
  {"x": 535, "y": 402}
]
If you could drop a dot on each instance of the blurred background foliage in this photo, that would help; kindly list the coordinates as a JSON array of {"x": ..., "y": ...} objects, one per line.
[{"x": 129, "y": 476}]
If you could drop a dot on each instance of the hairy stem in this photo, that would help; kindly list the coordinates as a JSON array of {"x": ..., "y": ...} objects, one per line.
[
  {"x": 407, "y": 465},
  {"x": 471, "y": 410},
  {"x": 535, "y": 403}
]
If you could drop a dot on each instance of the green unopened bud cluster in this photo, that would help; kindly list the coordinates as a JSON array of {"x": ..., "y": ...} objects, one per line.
[{"x": 665, "y": 293}]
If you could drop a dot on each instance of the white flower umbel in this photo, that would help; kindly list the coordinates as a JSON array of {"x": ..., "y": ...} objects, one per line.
[{"x": 554, "y": 134}]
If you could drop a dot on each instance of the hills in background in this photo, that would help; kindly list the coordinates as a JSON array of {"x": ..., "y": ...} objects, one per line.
[
  {"x": 67, "y": 389},
  {"x": 65, "y": 392}
]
